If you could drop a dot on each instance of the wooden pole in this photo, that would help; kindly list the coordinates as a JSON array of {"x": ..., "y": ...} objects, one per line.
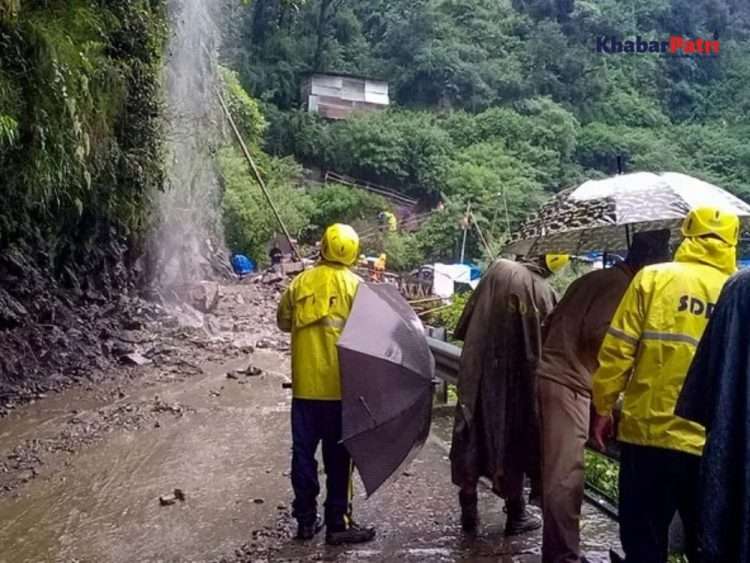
[
  {"x": 466, "y": 230},
  {"x": 425, "y": 300},
  {"x": 256, "y": 174},
  {"x": 481, "y": 237},
  {"x": 430, "y": 311}
]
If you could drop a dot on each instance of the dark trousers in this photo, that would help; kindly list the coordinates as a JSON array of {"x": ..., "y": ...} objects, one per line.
[
  {"x": 655, "y": 483},
  {"x": 314, "y": 422}
]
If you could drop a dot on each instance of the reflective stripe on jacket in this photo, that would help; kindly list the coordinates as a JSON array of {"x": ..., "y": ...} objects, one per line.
[
  {"x": 314, "y": 308},
  {"x": 651, "y": 343}
]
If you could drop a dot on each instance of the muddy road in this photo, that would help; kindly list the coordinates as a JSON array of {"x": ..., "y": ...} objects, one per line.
[{"x": 89, "y": 474}]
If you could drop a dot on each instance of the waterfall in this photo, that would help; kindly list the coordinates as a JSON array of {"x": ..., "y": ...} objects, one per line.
[{"x": 188, "y": 242}]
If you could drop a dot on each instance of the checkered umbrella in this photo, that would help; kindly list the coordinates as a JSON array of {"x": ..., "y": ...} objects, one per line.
[{"x": 601, "y": 215}]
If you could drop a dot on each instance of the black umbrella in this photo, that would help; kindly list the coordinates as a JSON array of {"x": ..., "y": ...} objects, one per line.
[{"x": 386, "y": 372}]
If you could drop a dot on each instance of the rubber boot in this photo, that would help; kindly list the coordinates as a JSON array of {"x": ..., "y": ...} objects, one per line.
[
  {"x": 469, "y": 512},
  {"x": 520, "y": 520}
]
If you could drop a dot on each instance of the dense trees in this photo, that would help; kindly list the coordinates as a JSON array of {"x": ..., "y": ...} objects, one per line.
[
  {"x": 498, "y": 103},
  {"x": 80, "y": 100},
  {"x": 474, "y": 54}
]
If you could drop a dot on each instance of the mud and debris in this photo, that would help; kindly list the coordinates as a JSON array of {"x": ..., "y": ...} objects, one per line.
[{"x": 81, "y": 469}]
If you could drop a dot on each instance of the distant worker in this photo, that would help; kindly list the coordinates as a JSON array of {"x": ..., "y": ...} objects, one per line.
[
  {"x": 314, "y": 309},
  {"x": 389, "y": 220},
  {"x": 276, "y": 256},
  {"x": 646, "y": 355},
  {"x": 573, "y": 334},
  {"x": 496, "y": 431},
  {"x": 378, "y": 273}
]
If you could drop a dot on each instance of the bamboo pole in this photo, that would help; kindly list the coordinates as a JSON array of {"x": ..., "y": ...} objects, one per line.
[
  {"x": 430, "y": 311},
  {"x": 256, "y": 174},
  {"x": 417, "y": 301},
  {"x": 481, "y": 236},
  {"x": 466, "y": 229}
]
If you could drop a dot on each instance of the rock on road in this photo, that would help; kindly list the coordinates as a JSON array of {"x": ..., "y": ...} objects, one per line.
[{"x": 82, "y": 472}]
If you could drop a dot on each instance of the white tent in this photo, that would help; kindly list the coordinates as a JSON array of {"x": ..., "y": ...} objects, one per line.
[{"x": 446, "y": 276}]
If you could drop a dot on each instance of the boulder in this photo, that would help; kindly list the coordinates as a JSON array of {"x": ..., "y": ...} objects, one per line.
[{"x": 205, "y": 296}]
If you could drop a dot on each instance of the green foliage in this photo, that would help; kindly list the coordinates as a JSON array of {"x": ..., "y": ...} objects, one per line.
[
  {"x": 449, "y": 317},
  {"x": 440, "y": 236},
  {"x": 335, "y": 203},
  {"x": 403, "y": 251},
  {"x": 602, "y": 473},
  {"x": 245, "y": 110},
  {"x": 562, "y": 280},
  {"x": 501, "y": 103},
  {"x": 79, "y": 126},
  {"x": 248, "y": 221},
  {"x": 8, "y": 130}
]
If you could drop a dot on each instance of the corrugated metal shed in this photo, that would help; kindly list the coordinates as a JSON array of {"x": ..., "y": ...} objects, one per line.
[{"x": 336, "y": 96}]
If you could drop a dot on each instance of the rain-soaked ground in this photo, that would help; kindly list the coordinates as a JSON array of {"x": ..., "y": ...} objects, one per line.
[{"x": 84, "y": 470}]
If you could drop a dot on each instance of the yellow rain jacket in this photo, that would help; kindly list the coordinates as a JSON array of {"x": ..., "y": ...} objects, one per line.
[
  {"x": 652, "y": 340},
  {"x": 314, "y": 308},
  {"x": 392, "y": 222}
]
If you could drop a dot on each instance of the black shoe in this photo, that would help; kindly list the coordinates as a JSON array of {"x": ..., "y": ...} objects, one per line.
[
  {"x": 469, "y": 513},
  {"x": 521, "y": 523},
  {"x": 306, "y": 532},
  {"x": 615, "y": 557},
  {"x": 352, "y": 534}
]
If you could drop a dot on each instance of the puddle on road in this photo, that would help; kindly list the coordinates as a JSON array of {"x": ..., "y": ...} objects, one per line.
[
  {"x": 101, "y": 505},
  {"x": 231, "y": 451}
]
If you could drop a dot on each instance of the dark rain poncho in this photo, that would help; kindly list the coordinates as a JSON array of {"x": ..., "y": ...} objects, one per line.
[
  {"x": 496, "y": 431},
  {"x": 716, "y": 394}
]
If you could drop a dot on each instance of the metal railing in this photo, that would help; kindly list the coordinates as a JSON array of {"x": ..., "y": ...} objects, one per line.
[
  {"x": 387, "y": 193},
  {"x": 447, "y": 360}
]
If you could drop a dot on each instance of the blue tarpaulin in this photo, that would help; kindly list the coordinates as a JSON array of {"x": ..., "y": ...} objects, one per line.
[{"x": 242, "y": 265}]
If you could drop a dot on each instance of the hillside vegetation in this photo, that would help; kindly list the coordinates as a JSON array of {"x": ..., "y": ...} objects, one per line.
[
  {"x": 80, "y": 149},
  {"x": 80, "y": 163},
  {"x": 499, "y": 102}
]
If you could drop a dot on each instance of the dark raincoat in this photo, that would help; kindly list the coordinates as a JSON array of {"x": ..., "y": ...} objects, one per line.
[
  {"x": 496, "y": 430},
  {"x": 716, "y": 394}
]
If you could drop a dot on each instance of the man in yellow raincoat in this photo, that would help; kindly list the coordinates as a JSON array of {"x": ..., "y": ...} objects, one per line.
[
  {"x": 645, "y": 356},
  {"x": 379, "y": 268},
  {"x": 314, "y": 309}
]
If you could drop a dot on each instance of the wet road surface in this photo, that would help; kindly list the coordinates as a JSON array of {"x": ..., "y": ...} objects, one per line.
[{"x": 227, "y": 446}]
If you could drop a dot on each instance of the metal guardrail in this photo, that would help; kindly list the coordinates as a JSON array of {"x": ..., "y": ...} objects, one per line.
[{"x": 447, "y": 361}]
